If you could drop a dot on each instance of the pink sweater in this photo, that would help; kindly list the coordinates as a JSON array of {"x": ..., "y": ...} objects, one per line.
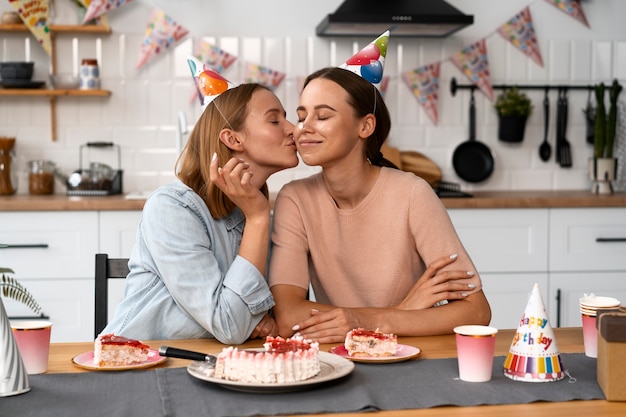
[{"x": 368, "y": 256}]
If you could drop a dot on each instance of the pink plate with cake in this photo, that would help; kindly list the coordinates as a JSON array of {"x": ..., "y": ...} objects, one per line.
[
  {"x": 85, "y": 360},
  {"x": 403, "y": 353}
]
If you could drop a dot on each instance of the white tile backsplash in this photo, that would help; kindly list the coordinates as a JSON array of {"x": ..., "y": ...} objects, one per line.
[{"x": 141, "y": 113}]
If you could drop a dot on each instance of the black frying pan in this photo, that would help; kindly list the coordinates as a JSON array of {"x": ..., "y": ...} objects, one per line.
[{"x": 473, "y": 160}]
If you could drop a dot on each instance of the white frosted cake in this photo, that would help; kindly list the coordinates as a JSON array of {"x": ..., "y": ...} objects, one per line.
[
  {"x": 361, "y": 342},
  {"x": 112, "y": 350},
  {"x": 283, "y": 360}
]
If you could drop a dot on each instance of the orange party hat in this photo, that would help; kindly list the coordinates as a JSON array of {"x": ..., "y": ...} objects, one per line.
[
  {"x": 534, "y": 354},
  {"x": 369, "y": 62},
  {"x": 208, "y": 82}
]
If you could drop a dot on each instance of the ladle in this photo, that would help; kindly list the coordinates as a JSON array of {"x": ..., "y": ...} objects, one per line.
[{"x": 545, "y": 150}]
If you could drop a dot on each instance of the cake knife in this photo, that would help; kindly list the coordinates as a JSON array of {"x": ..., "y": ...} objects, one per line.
[{"x": 172, "y": 352}]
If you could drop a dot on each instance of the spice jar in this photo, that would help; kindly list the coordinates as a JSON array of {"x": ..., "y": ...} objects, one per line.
[
  {"x": 8, "y": 176},
  {"x": 89, "y": 75},
  {"x": 41, "y": 177}
]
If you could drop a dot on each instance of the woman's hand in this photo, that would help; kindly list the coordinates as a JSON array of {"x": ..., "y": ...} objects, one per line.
[
  {"x": 435, "y": 286},
  {"x": 329, "y": 326},
  {"x": 235, "y": 180},
  {"x": 266, "y": 327}
]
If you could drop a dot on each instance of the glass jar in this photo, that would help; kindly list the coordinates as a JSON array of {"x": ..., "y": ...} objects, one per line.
[
  {"x": 41, "y": 177},
  {"x": 89, "y": 74},
  {"x": 8, "y": 175}
]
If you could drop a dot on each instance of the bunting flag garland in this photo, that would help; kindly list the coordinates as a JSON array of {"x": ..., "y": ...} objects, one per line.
[
  {"x": 424, "y": 82},
  {"x": 100, "y": 20},
  {"x": 263, "y": 75},
  {"x": 473, "y": 63},
  {"x": 161, "y": 33},
  {"x": 572, "y": 8},
  {"x": 35, "y": 15},
  {"x": 213, "y": 57},
  {"x": 96, "y": 8},
  {"x": 520, "y": 31}
]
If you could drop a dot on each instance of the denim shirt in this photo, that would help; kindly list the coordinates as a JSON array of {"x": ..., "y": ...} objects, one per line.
[{"x": 186, "y": 279}]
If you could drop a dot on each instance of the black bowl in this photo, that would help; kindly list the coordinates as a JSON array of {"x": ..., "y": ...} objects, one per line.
[{"x": 10, "y": 71}]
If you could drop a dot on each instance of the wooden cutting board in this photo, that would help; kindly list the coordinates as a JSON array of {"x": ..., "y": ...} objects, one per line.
[{"x": 421, "y": 165}]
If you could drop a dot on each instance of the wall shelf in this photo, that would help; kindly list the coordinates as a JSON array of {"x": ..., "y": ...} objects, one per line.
[{"x": 52, "y": 94}]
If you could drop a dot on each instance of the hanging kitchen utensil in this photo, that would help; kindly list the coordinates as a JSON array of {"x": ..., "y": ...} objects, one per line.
[
  {"x": 590, "y": 117},
  {"x": 545, "y": 150},
  {"x": 566, "y": 154},
  {"x": 472, "y": 160},
  {"x": 422, "y": 166}
]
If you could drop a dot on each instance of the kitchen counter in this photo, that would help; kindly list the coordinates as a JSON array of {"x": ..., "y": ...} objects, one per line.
[{"x": 481, "y": 199}]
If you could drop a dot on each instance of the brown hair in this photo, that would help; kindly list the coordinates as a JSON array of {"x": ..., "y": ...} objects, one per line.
[
  {"x": 364, "y": 99},
  {"x": 227, "y": 111}
]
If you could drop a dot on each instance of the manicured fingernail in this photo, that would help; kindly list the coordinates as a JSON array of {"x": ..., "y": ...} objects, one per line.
[
  {"x": 464, "y": 294},
  {"x": 470, "y": 273},
  {"x": 296, "y": 328},
  {"x": 471, "y": 285},
  {"x": 214, "y": 157},
  {"x": 314, "y": 311},
  {"x": 454, "y": 256}
]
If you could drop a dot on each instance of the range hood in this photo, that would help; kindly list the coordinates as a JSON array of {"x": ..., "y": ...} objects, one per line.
[{"x": 407, "y": 18}]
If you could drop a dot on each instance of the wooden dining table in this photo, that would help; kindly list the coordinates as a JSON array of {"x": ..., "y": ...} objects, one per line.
[{"x": 570, "y": 340}]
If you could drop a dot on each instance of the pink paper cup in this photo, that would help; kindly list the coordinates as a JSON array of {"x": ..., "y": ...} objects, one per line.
[
  {"x": 475, "y": 347},
  {"x": 590, "y": 335},
  {"x": 33, "y": 342}
]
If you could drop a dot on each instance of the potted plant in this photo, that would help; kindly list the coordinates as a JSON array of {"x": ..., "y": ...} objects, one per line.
[
  {"x": 11, "y": 288},
  {"x": 513, "y": 109},
  {"x": 603, "y": 166}
]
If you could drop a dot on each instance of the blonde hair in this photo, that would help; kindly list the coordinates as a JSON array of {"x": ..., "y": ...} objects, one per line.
[{"x": 227, "y": 111}]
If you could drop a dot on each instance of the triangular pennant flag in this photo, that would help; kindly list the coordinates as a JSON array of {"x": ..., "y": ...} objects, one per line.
[
  {"x": 35, "y": 15},
  {"x": 100, "y": 20},
  {"x": 97, "y": 8},
  {"x": 520, "y": 31},
  {"x": 424, "y": 82},
  {"x": 208, "y": 82},
  {"x": 572, "y": 8},
  {"x": 534, "y": 354},
  {"x": 264, "y": 76},
  {"x": 213, "y": 57},
  {"x": 161, "y": 33},
  {"x": 369, "y": 62},
  {"x": 473, "y": 62}
]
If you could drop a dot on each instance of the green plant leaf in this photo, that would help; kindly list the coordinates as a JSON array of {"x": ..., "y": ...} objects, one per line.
[{"x": 11, "y": 288}]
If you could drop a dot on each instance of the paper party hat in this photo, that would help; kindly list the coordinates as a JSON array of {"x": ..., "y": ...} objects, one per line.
[
  {"x": 534, "y": 354},
  {"x": 208, "y": 82},
  {"x": 369, "y": 62}
]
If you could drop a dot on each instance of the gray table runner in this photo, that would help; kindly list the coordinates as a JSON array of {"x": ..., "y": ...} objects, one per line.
[{"x": 395, "y": 386}]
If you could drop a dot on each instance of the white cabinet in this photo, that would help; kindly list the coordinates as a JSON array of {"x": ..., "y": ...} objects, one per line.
[
  {"x": 510, "y": 250},
  {"x": 59, "y": 269},
  {"x": 587, "y": 254},
  {"x": 118, "y": 231},
  {"x": 59, "y": 274},
  {"x": 568, "y": 252}
]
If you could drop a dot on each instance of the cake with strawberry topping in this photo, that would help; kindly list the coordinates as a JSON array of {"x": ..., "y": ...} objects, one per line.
[
  {"x": 112, "y": 350},
  {"x": 372, "y": 343},
  {"x": 282, "y": 361}
]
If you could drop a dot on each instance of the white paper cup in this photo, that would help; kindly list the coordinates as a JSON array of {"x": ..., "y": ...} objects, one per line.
[
  {"x": 475, "y": 347},
  {"x": 33, "y": 342}
]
